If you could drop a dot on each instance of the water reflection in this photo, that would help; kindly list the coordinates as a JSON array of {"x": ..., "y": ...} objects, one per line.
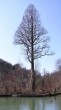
[{"x": 47, "y": 103}]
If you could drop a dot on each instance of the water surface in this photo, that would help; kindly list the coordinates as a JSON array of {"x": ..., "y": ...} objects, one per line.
[{"x": 17, "y": 103}]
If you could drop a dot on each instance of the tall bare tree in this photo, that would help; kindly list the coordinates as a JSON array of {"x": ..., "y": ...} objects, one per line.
[{"x": 33, "y": 36}]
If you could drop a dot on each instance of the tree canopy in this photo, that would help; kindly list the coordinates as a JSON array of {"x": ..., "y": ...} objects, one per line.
[{"x": 33, "y": 36}]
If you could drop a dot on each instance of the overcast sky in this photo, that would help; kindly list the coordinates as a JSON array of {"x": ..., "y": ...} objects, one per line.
[{"x": 11, "y": 13}]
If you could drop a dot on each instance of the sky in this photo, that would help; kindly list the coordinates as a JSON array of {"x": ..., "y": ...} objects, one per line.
[{"x": 11, "y": 13}]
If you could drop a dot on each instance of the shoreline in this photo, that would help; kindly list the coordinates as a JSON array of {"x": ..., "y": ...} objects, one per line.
[{"x": 29, "y": 95}]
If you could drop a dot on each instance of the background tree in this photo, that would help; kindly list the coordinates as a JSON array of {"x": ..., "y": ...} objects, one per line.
[
  {"x": 33, "y": 36},
  {"x": 58, "y": 64}
]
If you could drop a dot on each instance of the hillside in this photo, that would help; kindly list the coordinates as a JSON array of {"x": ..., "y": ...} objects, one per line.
[
  {"x": 17, "y": 80},
  {"x": 14, "y": 79}
]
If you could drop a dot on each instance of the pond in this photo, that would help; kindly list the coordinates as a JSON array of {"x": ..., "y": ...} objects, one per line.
[{"x": 20, "y": 103}]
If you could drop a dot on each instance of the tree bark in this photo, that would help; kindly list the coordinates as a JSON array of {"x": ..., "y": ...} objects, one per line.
[
  {"x": 33, "y": 77},
  {"x": 32, "y": 59}
]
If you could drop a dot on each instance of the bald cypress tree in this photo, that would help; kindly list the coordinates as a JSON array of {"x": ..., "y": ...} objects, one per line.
[{"x": 33, "y": 36}]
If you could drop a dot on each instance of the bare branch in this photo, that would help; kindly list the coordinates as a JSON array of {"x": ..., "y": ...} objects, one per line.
[{"x": 33, "y": 36}]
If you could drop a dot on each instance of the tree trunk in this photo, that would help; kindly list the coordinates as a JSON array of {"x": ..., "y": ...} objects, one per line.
[
  {"x": 33, "y": 73},
  {"x": 32, "y": 57},
  {"x": 33, "y": 77}
]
